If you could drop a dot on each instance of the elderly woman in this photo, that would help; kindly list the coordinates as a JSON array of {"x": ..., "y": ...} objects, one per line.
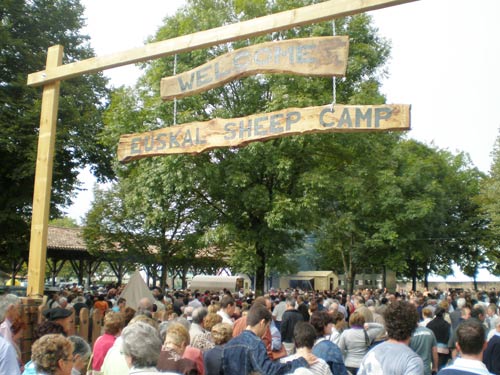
[
  {"x": 176, "y": 341},
  {"x": 113, "y": 325},
  {"x": 204, "y": 341},
  {"x": 212, "y": 359},
  {"x": 141, "y": 346},
  {"x": 53, "y": 355},
  {"x": 81, "y": 355}
]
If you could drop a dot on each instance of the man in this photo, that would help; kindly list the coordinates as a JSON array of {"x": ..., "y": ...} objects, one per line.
[
  {"x": 302, "y": 307},
  {"x": 246, "y": 353},
  {"x": 491, "y": 356},
  {"x": 456, "y": 314},
  {"x": 304, "y": 336},
  {"x": 279, "y": 310},
  {"x": 394, "y": 356},
  {"x": 424, "y": 343},
  {"x": 291, "y": 317},
  {"x": 470, "y": 344},
  {"x": 227, "y": 305},
  {"x": 197, "y": 325},
  {"x": 195, "y": 302},
  {"x": 8, "y": 360}
]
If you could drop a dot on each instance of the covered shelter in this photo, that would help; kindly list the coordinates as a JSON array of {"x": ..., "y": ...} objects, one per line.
[{"x": 310, "y": 280}]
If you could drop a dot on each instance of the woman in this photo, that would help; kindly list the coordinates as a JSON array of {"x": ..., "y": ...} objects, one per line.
[
  {"x": 355, "y": 341},
  {"x": 113, "y": 325},
  {"x": 441, "y": 329},
  {"x": 212, "y": 359},
  {"x": 176, "y": 341},
  {"x": 81, "y": 355},
  {"x": 53, "y": 355},
  {"x": 324, "y": 348},
  {"x": 141, "y": 346},
  {"x": 204, "y": 341}
]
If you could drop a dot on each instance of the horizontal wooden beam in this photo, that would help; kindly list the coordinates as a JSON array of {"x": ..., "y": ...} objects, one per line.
[{"x": 259, "y": 26}]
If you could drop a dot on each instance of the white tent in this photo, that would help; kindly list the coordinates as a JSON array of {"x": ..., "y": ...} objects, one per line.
[{"x": 135, "y": 290}]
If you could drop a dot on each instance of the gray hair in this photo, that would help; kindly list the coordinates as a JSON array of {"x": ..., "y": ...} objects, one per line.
[
  {"x": 80, "y": 347},
  {"x": 5, "y": 302},
  {"x": 141, "y": 342},
  {"x": 461, "y": 302},
  {"x": 199, "y": 314}
]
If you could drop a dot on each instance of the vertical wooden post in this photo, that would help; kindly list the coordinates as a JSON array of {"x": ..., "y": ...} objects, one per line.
[{"x": 43, "y": 178}]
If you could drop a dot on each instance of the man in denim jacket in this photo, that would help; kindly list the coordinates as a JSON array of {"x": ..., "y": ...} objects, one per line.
[{"x": 247, "y": 354}]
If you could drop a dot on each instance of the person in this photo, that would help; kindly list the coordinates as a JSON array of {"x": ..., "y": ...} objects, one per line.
[
  {"x": 290, "y": 318},
  {"x": 355, "y": 341},
  {"x": 338, "y": 327},
  {"x": 81, "y": 355},
  {"x": 394, "y": 356},
  {"x": 212, "y": 358},
  {"x": 170, "y": 359},
  {"x": 324, "y": 348},
  {"x": 52, "y": 355},
  {"x": 424, "y": 343},
  {"x": 279, "y": 310},
  {"x": 491, "y": 356},
  {"x": 246, "y": 353},
  {"x": 62, "y": 317},
  {"x": 204, "y": 341},
  {"x": 141, "y": 345},
  {"x": 302, "y": 307},
  {"x": 197, "y": 325},
  {"x": 470, "y": 345},
  {"x": 10, "y": 305},
  {"x": 304, "y": 336},
  {"x": 113, "y": 325},
  {"x": 120, "y": 306},
  {"x": 227, "y": 305},
  {"x": 441, "y": 329}
]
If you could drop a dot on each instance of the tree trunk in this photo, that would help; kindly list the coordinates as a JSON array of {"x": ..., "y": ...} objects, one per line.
[{"x": 260, "y": 272}]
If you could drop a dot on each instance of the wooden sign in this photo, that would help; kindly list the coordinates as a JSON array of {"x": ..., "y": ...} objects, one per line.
[
  {"x": 320, "y": 56},
  {"x": 196, "y": 137}
]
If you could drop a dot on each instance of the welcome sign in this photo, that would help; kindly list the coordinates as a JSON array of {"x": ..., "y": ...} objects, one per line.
[{"x": 320, "y": 56}]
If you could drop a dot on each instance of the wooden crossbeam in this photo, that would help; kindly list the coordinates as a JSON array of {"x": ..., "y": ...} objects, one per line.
[{"x": 259, "y": 26}]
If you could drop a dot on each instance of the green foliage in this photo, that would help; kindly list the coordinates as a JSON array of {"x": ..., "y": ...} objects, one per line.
[{"x": 27, "y": 29}]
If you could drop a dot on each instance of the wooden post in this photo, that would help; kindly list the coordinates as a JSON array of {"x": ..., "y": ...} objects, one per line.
[{"x": 43, "y": 178}]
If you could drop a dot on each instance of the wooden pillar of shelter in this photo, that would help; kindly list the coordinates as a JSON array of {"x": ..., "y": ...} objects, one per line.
[{"x": 43, "y": 178}]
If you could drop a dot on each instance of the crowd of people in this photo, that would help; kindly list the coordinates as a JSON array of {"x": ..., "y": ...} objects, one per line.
[{"x": 284, "y": 332}]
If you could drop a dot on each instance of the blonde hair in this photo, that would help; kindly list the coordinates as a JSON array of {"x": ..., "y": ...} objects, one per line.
[
  {"x": 114, "y": 323},
  {"x": 222, "y": 333},
  {"x": 177, "y": 335},
  {"x": 211, "y": 320},
  {"x": 48, "y": 350}
]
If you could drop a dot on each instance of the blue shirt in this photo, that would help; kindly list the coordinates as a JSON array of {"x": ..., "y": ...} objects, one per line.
[
  {"x": 246, "y": 353},
  {"x": 331, "y": 354}
]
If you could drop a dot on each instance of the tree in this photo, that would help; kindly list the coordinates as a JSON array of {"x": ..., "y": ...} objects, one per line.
[{"x": 28, "y": 28}]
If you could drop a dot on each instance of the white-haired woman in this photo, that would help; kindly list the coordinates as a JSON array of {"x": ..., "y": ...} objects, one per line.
[{"x": 141, "y": 347}]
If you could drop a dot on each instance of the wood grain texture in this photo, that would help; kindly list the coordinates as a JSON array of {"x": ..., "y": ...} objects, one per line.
[
  {"x": 259, "y": 26},
  {"x": 320, "y": 56},
  {"x": 196, "y": 137}
]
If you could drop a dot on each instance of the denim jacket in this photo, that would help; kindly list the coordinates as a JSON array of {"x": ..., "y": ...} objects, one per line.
[
  {"x": 246, "y": 353},
  {"x": 331, "y": 354}
]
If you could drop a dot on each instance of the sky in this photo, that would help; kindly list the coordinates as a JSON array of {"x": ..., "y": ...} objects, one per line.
[{"x": 445, "y": 63}]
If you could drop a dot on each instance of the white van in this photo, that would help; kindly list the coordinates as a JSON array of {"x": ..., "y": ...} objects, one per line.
[{"x": 218, "y": 283}]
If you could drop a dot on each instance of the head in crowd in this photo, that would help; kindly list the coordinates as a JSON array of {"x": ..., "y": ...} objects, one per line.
[
  {"x": 211, "y": 320},
  {"x": 141, "y": 345},
  {"x": 47, "y": 328},
  {"x": 128, "y": 314},
  {"x": 290, "y": 302},
  {"x": 401, "y": 318},
  {"x": 145, "y": 304},
  {"x": 470, "y": 337},
  {"x": 81, "y": 353},
  {"x": 427, "y": 313},
  {"x": 304, "y": 335},
  {"x": 227, "y": 303},
  {"x": 113, "y": 323},
  {"x": 356, "y": 319},
  {"x": 177, "y": 337},
  {"x": 461, "y": 303},
  {"x": 61, "y": 316},
  {"x": 257, "y": 313},
  {"x": 320, "y": 321},
  {"x": 439, "y": 312},
  {"x": 222, "y": 333},
  {"x": 478, "y": 312},
  {"x": 9, "y": 307},
  {"x": 53, "y": 355}
]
